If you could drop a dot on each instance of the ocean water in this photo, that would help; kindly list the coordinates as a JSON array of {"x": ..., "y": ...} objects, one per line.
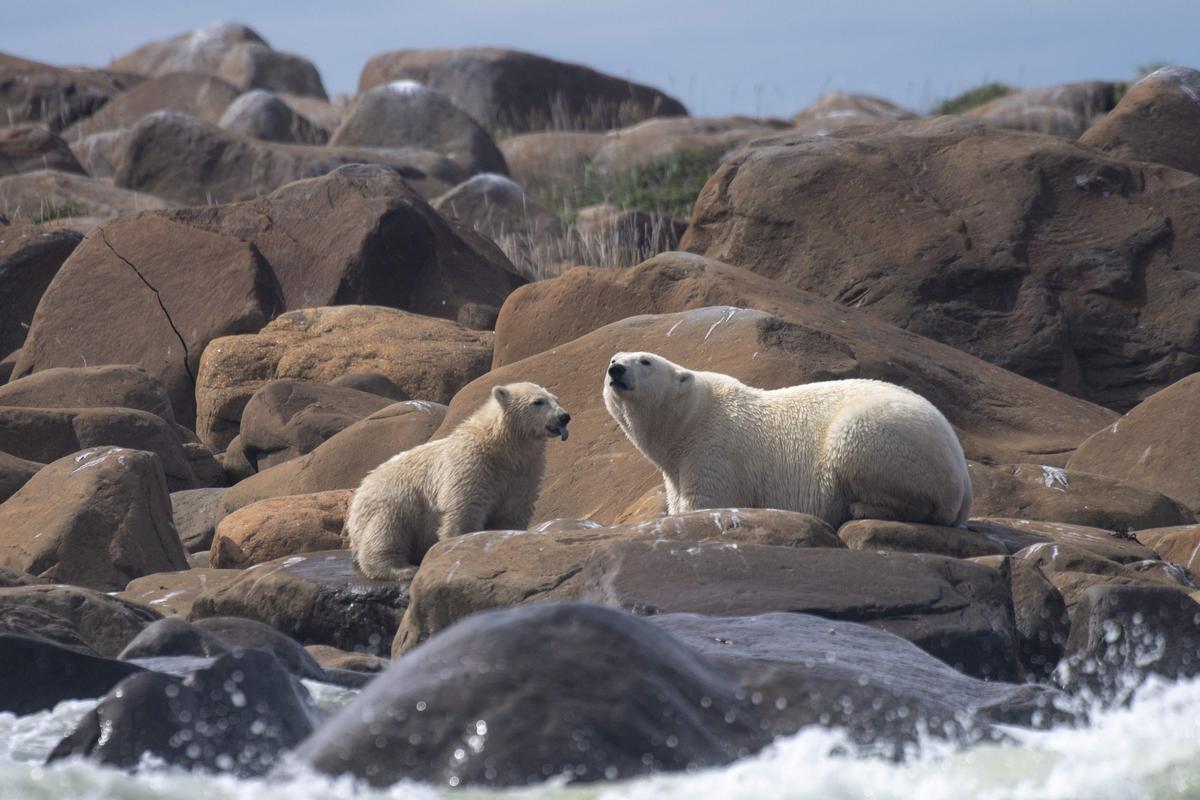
[{"x": 1147, "y": 750}]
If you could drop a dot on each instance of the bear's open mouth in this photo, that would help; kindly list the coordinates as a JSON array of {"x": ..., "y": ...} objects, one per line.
[
  {"x": 617, "y": 383},
  {"x": 555, "y": 430}
]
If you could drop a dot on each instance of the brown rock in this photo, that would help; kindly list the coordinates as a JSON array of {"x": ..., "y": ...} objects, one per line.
[
  {"x": 28, "y": 148},
  {"x": 1074, "y": 570},
  {"x": 10, "y": 577},
  {"x": 227, "y": 50},
  {"x": 280, "y": 527},
  {"x": 118, "y": 385},
  {"x": 100, "y": 152},
  {"x": 46, "y": 195},
  {"x": 201, "y": 96},
  {"x": 53, "y": 96},
  {"x": 656, "y": 139},
  {"x": 408, "y": 114},
  {"x": 1017, "y": 534},
  {"x": 343, "y": 461},
  {"x": 98, "y": 518},
  {"x": 494, "y": 569},
  {"x": 1065, "y": 110},
  {"x": 325, "y": 114},
  {"x": 316, "y": 598},
  {"x": 834, "y": 111},
  {"x": 196, "y": 513},
  {"x": 428, "y": 358},
  {"x": 48, "y": 434},
  {"x": 260, "y": 114},
  {"x": 158, "y": 293},
  {"x": 550, "y": 164},
  {"x": 514, "y": 91},
  {"x": 74, "y": 617},
  {"x": 1052, "y": 494},
  {"x": 378, "y": 243},
  {"x": 1156, "y": 120},
  {"x": 373, "y": 383},
  {"x": 333, "y": 658},
  {"x": 174, "y": 156},
  {"x": 288, "y": 418},
  {"x": 174, "y": 592},
  {"x": 30, "y": 257},
  {"x": 1043, "y": 623},
  {"x": 1179, "y": 545},
  {"x": 15, "y": 473},
  {"x": 1155, "y": 446},
  {"x": 1039, "y": 255},
  {"x": 955, "y": 610},
  {"x": 904, "y": 537}
]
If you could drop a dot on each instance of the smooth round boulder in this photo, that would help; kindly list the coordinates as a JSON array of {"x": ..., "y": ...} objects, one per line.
[{"x": 260, "y": 114}]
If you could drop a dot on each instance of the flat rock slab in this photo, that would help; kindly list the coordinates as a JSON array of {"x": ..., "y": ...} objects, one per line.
[
  {"x": 175, "y": 592},
  {"x": 1017, "y": 534},
  {"x": 73, "y": 617},
  {"x": 317, "y": 598},
  {"x": 906, "y": 537},
  {"x": 955, "y": 610}
]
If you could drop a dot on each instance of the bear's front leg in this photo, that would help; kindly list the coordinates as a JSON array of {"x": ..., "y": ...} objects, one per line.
[{"x": 460, "y": 519}]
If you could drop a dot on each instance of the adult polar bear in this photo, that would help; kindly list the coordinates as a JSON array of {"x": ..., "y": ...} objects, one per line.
[{"x": 839, "y": 450}]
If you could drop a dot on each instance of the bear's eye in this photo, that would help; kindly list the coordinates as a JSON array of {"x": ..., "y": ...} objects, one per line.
[
  {"x": 645, "y": 362},
  {"x": 539, "y": 402}
]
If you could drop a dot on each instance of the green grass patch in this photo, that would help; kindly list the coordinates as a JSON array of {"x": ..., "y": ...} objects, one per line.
[
  {"x": 53, "y": 212},
  {"x": 668, "y": 185},
  {"x": 971, "y": 98}
]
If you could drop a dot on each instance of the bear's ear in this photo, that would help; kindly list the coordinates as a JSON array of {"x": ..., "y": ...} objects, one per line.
[
  {"x": 684, "y": 377},
  {"x": 501, "y": 395}
]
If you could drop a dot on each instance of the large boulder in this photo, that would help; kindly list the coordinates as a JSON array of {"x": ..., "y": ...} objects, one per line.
[
  {"x": 74, "y": 617},
  {"x": 36, "y": 675},
  {"x": 173, "y": 593},
  {"x": 1042, "y": 256},
  {"x": 491, "y": 569},
  {"x": 343, "y": 460},
  {"x": 533, "y": 691},
  {"x": 46, "y": 195},
  {"x": 1155, "y": 446},
  {"x": 120, "y": 385},
  {"x": 1157, "y": 120},
  {"x": 227, "y": 50},
  {"x": 280, "y": 527},
  {"x": 53, "y": 96},
  {"x": 1177, "y": 544},
  {"x": 100, "y": 153},
  {"x": 409, "y": 114},
  {"x": 48, "y": 434},
  {"x": 30, "y": 257},
  {"x": 639, "y": 145},
  {"x": 201, "y": 96},
  {"x": 236, "y": 715},
  {"x": 159, "y": 291},
  {"x": 98, "y": 519},
  {"x": 998, "y": 416},
  {"x": 514, "y": 91},
  {"x": 800, "y": 670},
  {"x": 260, "y": 114},
  {"x": 379, "y": 243},
  {"x": 171, "y": 155},
  {"x": 1065, "y": 110},
  {"x": 316, "y": 598},
  {"x": 288, "y": 418},
  {"x": 429, "y": 358},
  {"x": 1053, "y": 494},
  {"x": 31, "y": 147}
]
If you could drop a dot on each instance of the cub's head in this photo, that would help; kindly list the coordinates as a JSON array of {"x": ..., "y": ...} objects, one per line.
[
  {"x": 531, "y": 410},
  {"x": 644, "y": 379}
]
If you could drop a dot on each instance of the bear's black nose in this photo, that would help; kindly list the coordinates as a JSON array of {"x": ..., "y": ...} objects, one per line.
[
  {"x": 616, "y": 370},
  {"x": 564, "y": 418}
]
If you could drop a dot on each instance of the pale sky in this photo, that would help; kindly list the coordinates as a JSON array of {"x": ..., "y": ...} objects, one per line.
[{"x": 736, "y": 56}]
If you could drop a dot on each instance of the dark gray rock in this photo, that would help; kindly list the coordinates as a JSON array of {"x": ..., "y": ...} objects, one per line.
[{"x": 36, "y": 675}]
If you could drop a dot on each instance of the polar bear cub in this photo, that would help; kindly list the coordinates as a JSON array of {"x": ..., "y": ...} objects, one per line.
[
  {"x": 839, "y": 450},
  {"x": 484, "y": 475}
]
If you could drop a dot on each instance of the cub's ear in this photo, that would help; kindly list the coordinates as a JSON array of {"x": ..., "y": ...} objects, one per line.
[
  {"x": 685, "y": 377},
  {"x": 501, "y": 395}
]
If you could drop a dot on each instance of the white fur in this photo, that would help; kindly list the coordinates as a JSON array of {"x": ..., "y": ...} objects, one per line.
[
  {"x": 851, "y": 449},
  {"x": 484, "y": 475}
]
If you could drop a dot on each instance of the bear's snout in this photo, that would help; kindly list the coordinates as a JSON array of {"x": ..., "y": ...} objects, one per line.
[
  {"x": 616, "y": 370},
  {"x": 564, "y": 418}
]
